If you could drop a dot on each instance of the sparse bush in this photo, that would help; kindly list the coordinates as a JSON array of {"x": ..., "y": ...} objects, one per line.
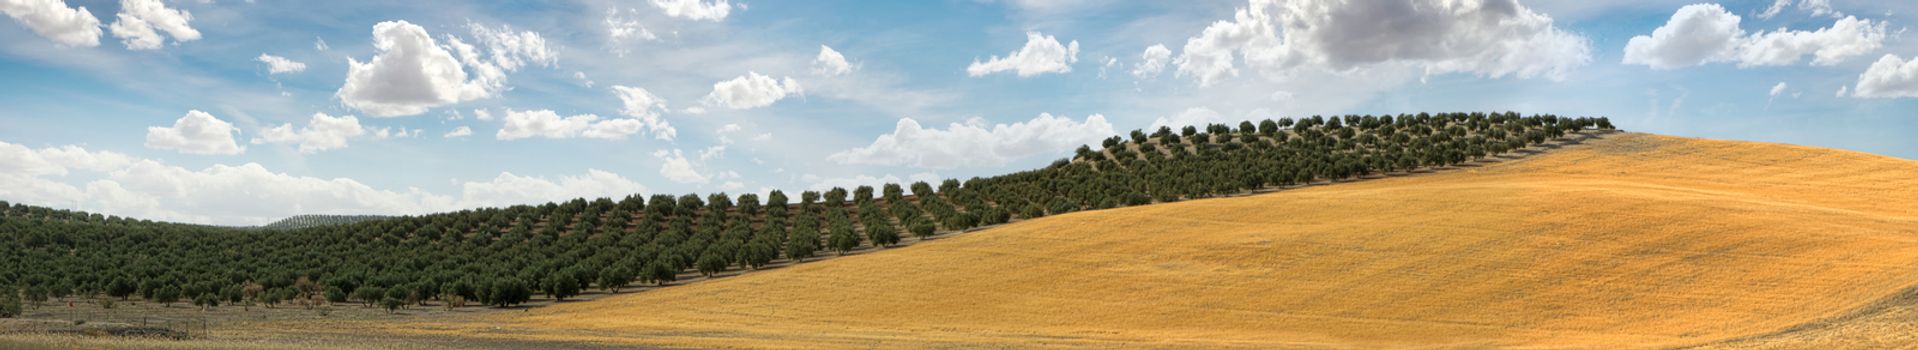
[
  {"x": 9, "y": 303},
  {"x": 922, "y": 228}
]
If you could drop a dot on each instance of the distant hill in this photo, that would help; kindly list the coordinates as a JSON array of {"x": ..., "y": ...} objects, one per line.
[{"x": 307, "y": 221}]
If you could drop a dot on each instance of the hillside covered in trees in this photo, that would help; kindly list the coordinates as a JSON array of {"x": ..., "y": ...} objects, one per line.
[
  {"x": 309, "y": 221},
  {"x": 505, "y": 256}
]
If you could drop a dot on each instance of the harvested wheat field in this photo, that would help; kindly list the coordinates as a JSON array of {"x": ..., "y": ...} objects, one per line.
[{"x": 1626, "y": 241}]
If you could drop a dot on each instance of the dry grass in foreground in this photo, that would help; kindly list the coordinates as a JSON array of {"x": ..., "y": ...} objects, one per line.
[
  {"x": 1629, "y": 241},
  {"x": 1632, "y": 240}
]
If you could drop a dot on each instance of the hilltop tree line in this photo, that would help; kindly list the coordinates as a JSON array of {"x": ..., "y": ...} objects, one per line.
[
  {"x": 306, "y": 221},
  {"x": 507, "y": 256}
]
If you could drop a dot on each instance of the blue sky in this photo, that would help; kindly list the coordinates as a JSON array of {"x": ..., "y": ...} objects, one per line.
[{"x": 194, "y": 111}]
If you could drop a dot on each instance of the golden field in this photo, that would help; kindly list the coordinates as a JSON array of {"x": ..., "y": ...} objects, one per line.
[{"x": 1626, "y": 241}]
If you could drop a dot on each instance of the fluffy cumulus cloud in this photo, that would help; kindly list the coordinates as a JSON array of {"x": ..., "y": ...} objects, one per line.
[
  {"x": 322, "y": 132},
  {"x": 1849, "y": 37},
  {"x": 1695, "y": 34},
  {"x": 1706, "y": 33},
  {"x": 695, "y": 9},
  {"x": 1153, "y": 61},
  {"x": 830, "y": 62},
  {"x": 112, "y": 183},
  {"x": 547, "y": 124},
  {"x": 140, "y": 22},
  {"x": 975, "y": 144},
  {"x": 195, "y": 133},
  {"x": 1042, "y": 54},
  {"x": 647, "y": 108},
  {"x": 411, "y": 72},
  {"x": 54, "y": 20},
  {"x": 280, "y": 65},
  {"x": 1494, "y": 38},
  {"x": 674, "y": 166},
  {"x": 251, "y": 194},
  {"x": 1890, "y": 77},
  {"x": 751, "y": 91}
]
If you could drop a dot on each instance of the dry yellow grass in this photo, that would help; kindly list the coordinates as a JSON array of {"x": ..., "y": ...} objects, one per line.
[{"x": 1628, "y": 241}]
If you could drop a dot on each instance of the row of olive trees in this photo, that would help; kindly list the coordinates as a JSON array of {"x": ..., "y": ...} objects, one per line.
[{"x": 506, "y": 256}]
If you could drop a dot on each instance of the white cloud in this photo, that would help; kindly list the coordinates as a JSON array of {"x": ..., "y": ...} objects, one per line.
[
  {"x": 1494, "y": 38},
  {"x": 138, "y": 20},
  {"x": 221, "y": 194},
  {"x": 581, "y": 77},
  {"x": 712, "y": 153},
  {"x": 319, "y": 44},
  {"x": 819, "y": 183},
  {"x": 1890, "y": 77},
  {"x": 674, "y": 166},
  {"x": 394, "y": 133},
  {"x": 1195, "y": 116},
  {"x": 52, "y": 19},
  {"x": 459, "y": 132},
  {"x": 508, "y": 189},
  {"x": 974, "y": 144},
  {"x": 482, "y": 114},
  {"x": 1153, "y": 61},
  {"x": 1815, "y": 7},
  {"x": 409, "y": 74},
  {"x": 647, "y": 108},
  {"x": 1849, "y": 37},
  {"x": 322, "y": 132},
  {"x": 1775, "y": 8},
  {"x": 506, "y": 51},
  {"x": 545, "y": 123},
  {"x": 724, "y": 133},
  {"x": 751, "y": 91},
  {"x": 278, "y": 65},
  {"x": 1843, "y": 91},
  {"x": 1042, "y": 54},
  {"x": 830, "y": 63},
  {"x": 622, "y": 29},
  {"x": 1777, "y": 89},
  {"x": 16, "y": 160},
  {"x": 195, "y": 133},
  {"x": 1705, "y": 33},
  {"x": 695, "y": 9},
  {"x": 1695, "y": 34},
  {"x": 511, "y": 50},
  {"x": 1107, "y": 64},
  {"x": 250, "y": 194}
]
